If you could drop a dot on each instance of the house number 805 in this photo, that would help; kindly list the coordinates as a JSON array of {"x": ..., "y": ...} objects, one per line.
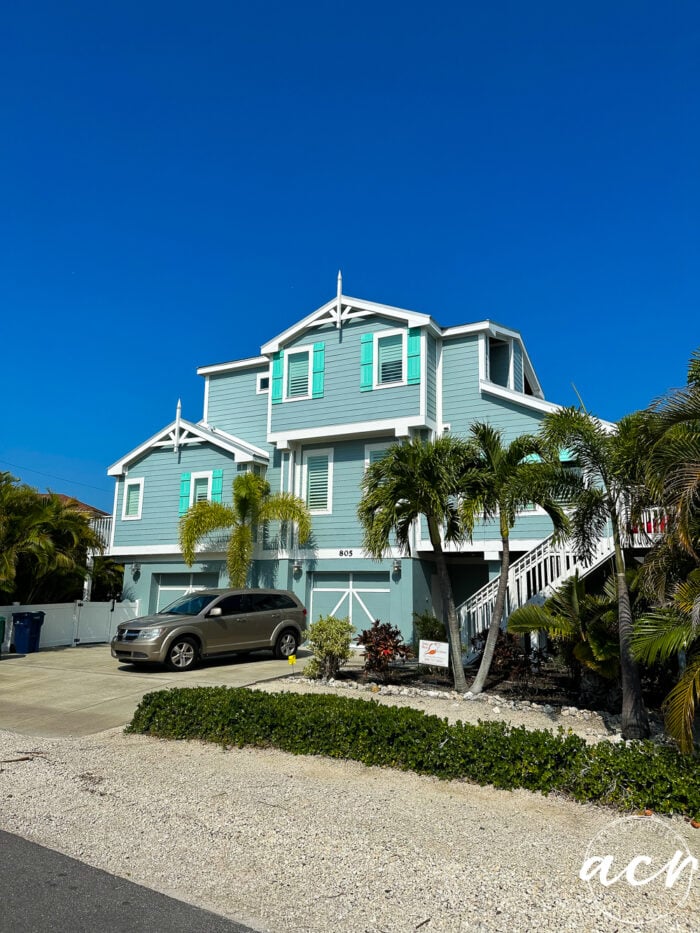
[{"x": 345, "y": 553}]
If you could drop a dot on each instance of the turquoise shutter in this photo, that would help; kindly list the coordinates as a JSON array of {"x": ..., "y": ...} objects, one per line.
[
  {"x": 277, "y": 369},
  {"x": 413, "y": 356},
  {"x": 319, "y": 366},
  {"x": 366, "y": 362},
  {"x": 217, "y": 485},
  {"x": 184, "y": 493}
]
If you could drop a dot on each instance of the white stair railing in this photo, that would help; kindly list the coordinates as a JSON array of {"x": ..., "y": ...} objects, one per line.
[{"x": 539, "y": 572}]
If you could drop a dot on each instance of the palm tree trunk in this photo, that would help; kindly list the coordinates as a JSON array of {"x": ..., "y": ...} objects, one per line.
[
  {"x": 496, "y": 619},
  {"x": 448, "y": 606},
  {"x": 635, "y": 722}
]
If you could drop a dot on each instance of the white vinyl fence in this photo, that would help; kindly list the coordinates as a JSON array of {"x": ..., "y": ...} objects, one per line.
[{"x": 75, "y": 623}]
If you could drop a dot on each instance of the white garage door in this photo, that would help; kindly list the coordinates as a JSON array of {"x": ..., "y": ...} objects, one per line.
[{"x": 361, "y": 597}]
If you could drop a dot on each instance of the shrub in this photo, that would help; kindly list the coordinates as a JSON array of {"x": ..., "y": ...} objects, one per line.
[
  {"x": 383, "y": 643},
  {"x": 329, "y": 639},
  {"x": 427, "y": 627},
  {"x": 636, "y": 776}
]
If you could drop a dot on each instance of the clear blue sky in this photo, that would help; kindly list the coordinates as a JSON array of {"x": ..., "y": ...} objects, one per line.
[{"x": 182, "y": 181}]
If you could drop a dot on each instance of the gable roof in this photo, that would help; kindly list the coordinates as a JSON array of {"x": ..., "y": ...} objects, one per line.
[{"x": 180, "y": 433}]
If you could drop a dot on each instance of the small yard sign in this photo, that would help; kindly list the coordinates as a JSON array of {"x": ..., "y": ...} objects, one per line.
[{"x": 435, "y": 653}]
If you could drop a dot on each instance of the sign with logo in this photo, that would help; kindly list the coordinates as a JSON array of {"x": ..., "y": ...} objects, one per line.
[{"x": 435, "y": 653}]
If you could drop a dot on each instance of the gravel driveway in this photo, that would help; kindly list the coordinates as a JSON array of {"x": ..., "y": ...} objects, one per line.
[{"x": 304, "y": 844}]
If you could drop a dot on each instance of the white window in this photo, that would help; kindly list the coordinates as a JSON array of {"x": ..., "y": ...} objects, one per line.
[
  {"x": 263, "y": 383},
  {"x": 390, "y": 358},
  {"x": 374, "y": 452},
  {"x": 200, "y": 487},
  {"x": 296, "y": 373},
  {"x": 133, "y": 500},
  {"x": 318, "y": 481}
]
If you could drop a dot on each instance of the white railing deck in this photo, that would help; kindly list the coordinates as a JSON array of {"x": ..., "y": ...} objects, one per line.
[{"x": 541, "y": 570}]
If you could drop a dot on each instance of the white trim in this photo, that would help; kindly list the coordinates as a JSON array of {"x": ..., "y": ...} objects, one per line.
[
  {"x": 324, "y": 452},
  {"x": 258, "y": 380},
  {"x": 476, "y": 547},
  {"x": 202, "y": 474},
  {"x": 438, "y": 381},
  {"x": 192, "y": 433},
  {"x": 399, "y": 427},
  {"x": 527, "y": 401},
  {"x": 248, "y": 363},
  {"x": 205, "y": 407},
  {"x": 137, "y": 481},
  {"x": 308, "y": 349},
  {"x": 380, "y": 335},
  {"x": 370, "y": 447},
  {"x": 114, "y": 516}
]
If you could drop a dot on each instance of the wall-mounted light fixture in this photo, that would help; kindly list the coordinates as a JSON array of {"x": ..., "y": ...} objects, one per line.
[
  {"x": 397, "y": 566},
  {"x": 135, "y": 569},
  {"x": 297, "y": 568}
]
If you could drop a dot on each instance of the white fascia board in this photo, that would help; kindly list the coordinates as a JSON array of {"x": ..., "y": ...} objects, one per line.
[
  {"x": 398, "y": 427},
  {"x": 139, "y": 550},
  {"x": 218, "y": 438},
  {"x": 272, "y": 346},
  {"x": 252, "y": 362},
  {"x": 460, "y": 330},
  {"x": 487, "y": 545},
  {"x": 519, "y": 398},
  {"x": 325, "y": 553}
]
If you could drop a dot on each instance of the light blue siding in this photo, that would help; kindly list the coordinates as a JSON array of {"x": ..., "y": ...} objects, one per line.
[
  {"x": 518, "y": 383},
  {"x": 431, "y": 378},
  {"x": 161, "y": 470},
  {"x": 235, "y": 405},
  {"x": 343, "y": 401}
]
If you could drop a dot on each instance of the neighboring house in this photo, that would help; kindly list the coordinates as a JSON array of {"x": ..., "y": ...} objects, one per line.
[{"x": 323, "y": 399}]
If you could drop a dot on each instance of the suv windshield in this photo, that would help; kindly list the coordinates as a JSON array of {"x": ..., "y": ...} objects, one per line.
[{"x": 189, "y": 605}]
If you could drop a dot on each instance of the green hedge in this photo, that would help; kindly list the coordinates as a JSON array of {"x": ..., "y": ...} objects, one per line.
[{"x": 631, "y": 777}]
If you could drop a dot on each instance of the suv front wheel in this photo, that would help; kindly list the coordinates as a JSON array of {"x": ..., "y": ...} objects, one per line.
[
  {"x": 182, "y": 654},
  {"x": 286, "y": 643}
]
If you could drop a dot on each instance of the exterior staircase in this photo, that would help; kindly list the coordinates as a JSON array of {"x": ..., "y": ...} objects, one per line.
[{"x": 537, "y": 574}]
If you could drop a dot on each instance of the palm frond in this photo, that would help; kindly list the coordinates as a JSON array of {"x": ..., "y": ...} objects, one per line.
[
  {"x": 661, "y": 634},
  {"x": 680, "y": 704},
  {"x": 286, "y": 507},
  {"x": 201, "y": 520},
  {"x": 534, "y": 618}
]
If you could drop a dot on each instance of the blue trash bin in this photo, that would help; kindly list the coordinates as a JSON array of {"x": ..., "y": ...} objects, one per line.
[{"x": 27, "y": 631}]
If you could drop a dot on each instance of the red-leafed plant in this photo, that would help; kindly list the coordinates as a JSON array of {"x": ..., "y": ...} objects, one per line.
[{"x": 383, "y": 643}]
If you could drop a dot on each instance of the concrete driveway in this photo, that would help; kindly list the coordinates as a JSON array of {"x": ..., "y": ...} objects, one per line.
[{"x": 83, "y": 690}]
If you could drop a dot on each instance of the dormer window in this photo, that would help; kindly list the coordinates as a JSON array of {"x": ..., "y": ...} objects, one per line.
[{"x": 499, "y": 362}]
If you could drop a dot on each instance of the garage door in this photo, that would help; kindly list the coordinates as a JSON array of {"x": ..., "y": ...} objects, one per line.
[
  {"x": 173, "y": 585},
  {"x": 361, "y": 597}
]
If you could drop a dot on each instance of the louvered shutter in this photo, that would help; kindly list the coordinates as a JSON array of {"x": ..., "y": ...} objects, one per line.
[
  {"x": 317, "y": 482},
  {"x": 390, "y": 359},
  {"x": 217, "y": 485},
  {"x": 375, "y": 455},
  {"x": 366, "y": 362},
  {"x": 277, "y": 370},
  {"x": 297, "y": 375},
  {"x": 184, "y": 493},
  {"x": 413, "y": 356},
  {"x": 319, "y": 366}
]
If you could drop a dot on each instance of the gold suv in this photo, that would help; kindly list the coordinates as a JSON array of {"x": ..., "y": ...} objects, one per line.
[{"x": 210, "y": 623}]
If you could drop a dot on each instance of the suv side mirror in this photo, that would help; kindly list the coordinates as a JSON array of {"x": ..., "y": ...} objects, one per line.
[{"x": 216, "y": 611}]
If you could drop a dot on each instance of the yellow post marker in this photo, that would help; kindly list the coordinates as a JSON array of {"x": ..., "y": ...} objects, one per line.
[{"x": 292, "y": 659}]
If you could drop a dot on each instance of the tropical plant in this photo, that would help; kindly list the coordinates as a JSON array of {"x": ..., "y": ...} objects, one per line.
[
  {"x": 609, "y": 499},
  {"x": 670, "y": 632},
  {"x": 253, "y": 506},
  {"x": 383, "y": 643},
  {"x": 413, "y": 480},
  {"x": 506, "y": 479},
  {"x": 329, "y": 640},
  {"x": 44, "y": 544}
]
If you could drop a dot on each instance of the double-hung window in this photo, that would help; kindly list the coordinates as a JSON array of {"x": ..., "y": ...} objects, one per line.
[
  {"x": 297, "y": 383},
  {"x": 318, "y": 481},
  {"x": 374, "y": 452},
  {"x": 390, "y": 356},
  {"x": 133, "y": 500}
]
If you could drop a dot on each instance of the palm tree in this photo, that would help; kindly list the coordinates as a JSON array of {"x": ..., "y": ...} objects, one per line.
[
  {"x": 508, "y": 479},
  {"x": 669, "y": 632},
  {"x": 583, "y": 624},
  {"x": 253, "y": 506},
  {"x": 413, "y": 479},
  {"x": 610, "y": 496}
]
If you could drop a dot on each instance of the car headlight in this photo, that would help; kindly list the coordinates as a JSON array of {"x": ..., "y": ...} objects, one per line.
[{"x": 148, "y": 634}]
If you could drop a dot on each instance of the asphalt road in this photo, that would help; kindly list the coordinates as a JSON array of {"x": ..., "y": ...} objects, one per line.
[{"x": 42, "y": 891}]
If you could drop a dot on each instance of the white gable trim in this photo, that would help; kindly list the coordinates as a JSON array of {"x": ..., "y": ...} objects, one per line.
[
  {"x": 189, "y": 433},
  {"x": 349, "y": 308},
  {"x": 252, "y": 362},
  {"x": 519, "y": 398}
]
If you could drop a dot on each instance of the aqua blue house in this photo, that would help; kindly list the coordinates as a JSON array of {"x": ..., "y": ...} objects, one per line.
[{"x": 320, "y": 402}]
